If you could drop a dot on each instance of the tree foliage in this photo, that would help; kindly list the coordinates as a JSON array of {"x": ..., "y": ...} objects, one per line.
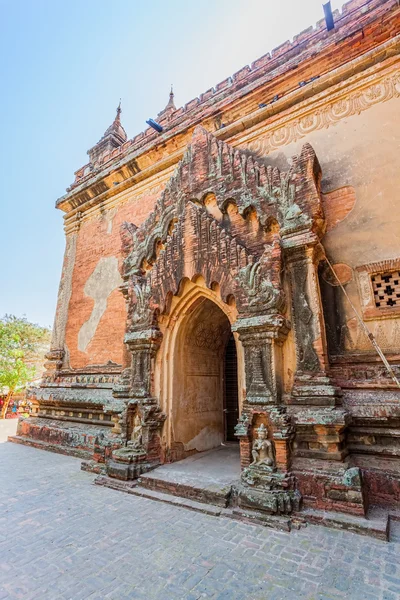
[{"x": 22, "y": 348}]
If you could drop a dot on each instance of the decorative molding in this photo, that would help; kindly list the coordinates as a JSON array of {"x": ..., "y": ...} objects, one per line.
[
  {"x": 98, "y": 210},
  {"x": 328, "y": 108},
  {"x": 391, "y": 264},
  {"x": 82, "y": 380}
]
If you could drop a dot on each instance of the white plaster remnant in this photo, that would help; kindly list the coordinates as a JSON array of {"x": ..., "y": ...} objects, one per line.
[
  {"x": 100, "y": 284},
  {"x": 64, "y": 294},
  {"x": 109, "y": 217},
  {"x": 365, "y": 288}
]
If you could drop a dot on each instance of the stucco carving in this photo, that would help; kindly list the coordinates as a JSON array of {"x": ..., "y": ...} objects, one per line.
[
  {"x": 209, "y": 165},
  {"x": 208, "y": 336},
  {"x": 298, "y": 125},
  {"x": 262, "y": 283},
  {"x": 141, "y": 311}
]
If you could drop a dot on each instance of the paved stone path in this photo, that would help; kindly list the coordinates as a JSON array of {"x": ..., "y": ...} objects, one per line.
[
  {"x": 63, "y": 538},
  {"x": 7, "y": 427}
]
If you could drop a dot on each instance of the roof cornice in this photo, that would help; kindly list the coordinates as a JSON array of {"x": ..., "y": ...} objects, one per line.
[{"x": 125, "y": 170}]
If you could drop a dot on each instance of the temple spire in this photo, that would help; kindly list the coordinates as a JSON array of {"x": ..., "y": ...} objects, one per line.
[
  {"x": 114, "y": 136},
  {"x": 170, "y": 107},
  {"x": 171, "y": 103}
]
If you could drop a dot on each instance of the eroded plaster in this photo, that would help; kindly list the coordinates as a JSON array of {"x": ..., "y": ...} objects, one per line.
[
  {"x": 64, "y": 294},
  {"x": 101, "y": 283}
]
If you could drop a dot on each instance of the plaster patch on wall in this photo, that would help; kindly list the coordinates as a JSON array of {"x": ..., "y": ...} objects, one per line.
[
  {"x": 101, "y": 283},
  {"x": 109, "y": 218},
  {"x": 64, "y": 294},
  {"x": 365, "y": 288}
]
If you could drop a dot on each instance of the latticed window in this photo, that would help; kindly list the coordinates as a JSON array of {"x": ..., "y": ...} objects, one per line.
[{"x": 386, "y": 288}]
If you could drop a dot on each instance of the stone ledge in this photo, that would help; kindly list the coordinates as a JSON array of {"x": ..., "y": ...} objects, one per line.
[
  {"x": 133, "y": 487},
  {"x": 213, "y": 494},
  {"x": 375, "y": 524}
]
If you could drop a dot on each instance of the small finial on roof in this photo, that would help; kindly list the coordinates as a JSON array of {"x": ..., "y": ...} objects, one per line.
[
  {"x": 113, "y": 137},
  {"x": 119, "y": 111},
  {"x": 170, "y": 107},
  {"x": 171, "y": 103}
]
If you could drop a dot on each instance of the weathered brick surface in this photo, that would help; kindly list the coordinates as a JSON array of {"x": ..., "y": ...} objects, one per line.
[
  {"x": 65, "y": 539},
  {"x": 337, "y": 205},
  {"x": 98, "y": 239},
  {"x": 229, "y": 220}
]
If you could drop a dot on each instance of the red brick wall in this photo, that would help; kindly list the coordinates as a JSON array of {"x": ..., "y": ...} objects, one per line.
[{"x": 94, "y": 243}]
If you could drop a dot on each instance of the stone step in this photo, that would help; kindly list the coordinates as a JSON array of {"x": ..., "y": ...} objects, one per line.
[
  {"x": 133, "y": 487},
  {"x": 247, "y": 516},
  {"x": 376, "y": 524},
  {"x": 208, "y": 493}
]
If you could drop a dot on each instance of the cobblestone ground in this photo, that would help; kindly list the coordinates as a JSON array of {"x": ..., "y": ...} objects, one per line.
[{"x": 63, "y": 538}]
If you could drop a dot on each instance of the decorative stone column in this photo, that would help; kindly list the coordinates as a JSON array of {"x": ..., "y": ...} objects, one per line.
[
  {"x": 312, "y": 386},
  {"x": 142, "y": 450},
  {"x": 315, "y": 401},
  {"x": 265, "y": 484},
  {"x": 262, "y": 338}
]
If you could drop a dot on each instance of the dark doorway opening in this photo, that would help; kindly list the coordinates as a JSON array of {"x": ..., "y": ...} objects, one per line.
[{"x": 231, "y": 395}]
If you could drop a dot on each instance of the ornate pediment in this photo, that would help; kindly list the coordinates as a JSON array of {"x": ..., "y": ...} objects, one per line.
[
  {"x": 211, "y": 166},
  {"x": 186, "y": 235}
]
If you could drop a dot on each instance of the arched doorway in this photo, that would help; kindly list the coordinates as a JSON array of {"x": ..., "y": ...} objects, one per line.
[{"x": 204, "y": 405}]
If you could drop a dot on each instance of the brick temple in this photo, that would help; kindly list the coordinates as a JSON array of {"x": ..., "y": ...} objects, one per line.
[{"x": 231, "y": 283}]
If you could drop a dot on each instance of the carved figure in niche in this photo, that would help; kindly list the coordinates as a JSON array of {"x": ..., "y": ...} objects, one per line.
[
  {"x": 261, "y": 280},
  {"x": 141, "y": 312},
  {"x": 135, "y": 442},
  {"x": 293, "y": 216},
  {"x": 263, "y": 450}
]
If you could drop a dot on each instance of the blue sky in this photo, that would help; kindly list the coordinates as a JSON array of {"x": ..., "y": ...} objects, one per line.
[{"x": 64, "y": 66}]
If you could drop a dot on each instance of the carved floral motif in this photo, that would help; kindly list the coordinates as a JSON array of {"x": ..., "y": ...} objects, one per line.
[{"x": 289, "y": 130}]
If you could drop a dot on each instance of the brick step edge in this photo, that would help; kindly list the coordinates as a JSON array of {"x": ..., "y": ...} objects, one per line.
[
  {"x": 93, "y": 466},
  {"x": 376, "y": 526},
  {"x": 133, "y": 487},
  {"x": 219, "y": 498},
  {"x": 242, "y": 515},
  {"x": 66, "y": 450}
]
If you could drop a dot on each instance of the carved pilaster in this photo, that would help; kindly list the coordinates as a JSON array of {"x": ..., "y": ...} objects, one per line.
[
  {"x": 64, "y": 296},
  {"x": 262, "y": 338},
  {"x": 143, "y": 345},
  {"x": 312, "y": 385},
  {"x": 265, "y": 451},
  {"x": 136, "y": 385}
]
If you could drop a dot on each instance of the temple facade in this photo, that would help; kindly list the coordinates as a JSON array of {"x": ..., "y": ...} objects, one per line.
[{"x": 235, "y": 279}]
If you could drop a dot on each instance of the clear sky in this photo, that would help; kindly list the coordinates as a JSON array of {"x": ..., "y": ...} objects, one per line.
[{"x": 64, "y": 66}]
